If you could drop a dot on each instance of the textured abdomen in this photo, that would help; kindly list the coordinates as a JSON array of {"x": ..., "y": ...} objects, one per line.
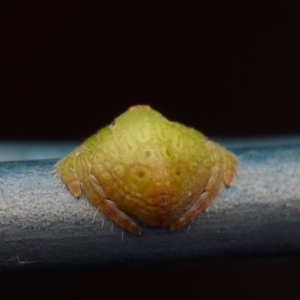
[{"x": 155, "y": 173}]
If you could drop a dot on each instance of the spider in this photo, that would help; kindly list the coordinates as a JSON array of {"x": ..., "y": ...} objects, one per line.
[{"x": 147, "y": 167}]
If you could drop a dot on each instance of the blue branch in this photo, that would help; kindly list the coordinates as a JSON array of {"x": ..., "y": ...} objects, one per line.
[{"x": 43, "y": 226}]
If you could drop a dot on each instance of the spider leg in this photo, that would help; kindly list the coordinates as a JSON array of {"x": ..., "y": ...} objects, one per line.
[
  {"x": 96, "y": 195},
  {"x": 230, "y": 165},
  {"x": 66, "y": 169},
  {"x": 210, "y": 191}
]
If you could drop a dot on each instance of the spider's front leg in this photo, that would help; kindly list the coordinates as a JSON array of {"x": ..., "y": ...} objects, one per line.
[
  {"x": 66, "y": 169},
  {"x": 229, "y": 165},
  {"x": 96, "y": 194},
  {"x": 210, "y": 190}
]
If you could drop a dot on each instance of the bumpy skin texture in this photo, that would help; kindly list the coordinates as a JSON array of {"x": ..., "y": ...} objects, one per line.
[{"x": 158, "y": 171}]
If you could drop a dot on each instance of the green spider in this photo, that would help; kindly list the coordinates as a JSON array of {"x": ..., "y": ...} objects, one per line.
[{"x": 147, "y": 167}]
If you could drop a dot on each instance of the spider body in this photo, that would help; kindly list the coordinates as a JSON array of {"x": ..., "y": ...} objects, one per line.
[{"x": 142, "y": 165}]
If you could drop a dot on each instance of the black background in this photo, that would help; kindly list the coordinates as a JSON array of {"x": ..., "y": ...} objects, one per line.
[
  {"x": 226, "y": 69},
  {"x": 69, "y": 68}
]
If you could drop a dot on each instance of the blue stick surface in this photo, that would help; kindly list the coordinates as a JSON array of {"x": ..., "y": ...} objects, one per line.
[{"x": 43, "y": 226}]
